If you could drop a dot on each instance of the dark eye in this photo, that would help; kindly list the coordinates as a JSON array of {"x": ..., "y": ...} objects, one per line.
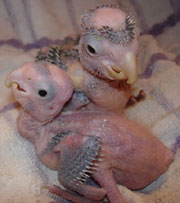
[
  {"x": 91, "y": 49},
  {"x": 42, "y": 93}
]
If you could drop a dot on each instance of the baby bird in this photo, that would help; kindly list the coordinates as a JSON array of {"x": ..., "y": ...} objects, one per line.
[
  {"x": 80, "y": 144},
  {"x": 103, "y": 63}
]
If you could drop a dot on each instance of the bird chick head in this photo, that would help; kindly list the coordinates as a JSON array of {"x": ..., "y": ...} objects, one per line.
[
  {"x": 41, "y": 88},
  {"x": 109, "y": 45}
]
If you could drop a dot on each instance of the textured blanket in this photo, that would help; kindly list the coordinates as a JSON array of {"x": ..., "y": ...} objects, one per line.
[{"x": 29, "y": 25}]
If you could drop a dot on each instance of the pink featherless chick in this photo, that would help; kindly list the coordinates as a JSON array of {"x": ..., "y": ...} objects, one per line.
[{"x": 108, "y": 148}]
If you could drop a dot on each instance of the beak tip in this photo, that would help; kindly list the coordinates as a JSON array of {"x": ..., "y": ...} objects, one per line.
[
  {"x": 7, "y": 83},
  {"x": 131, "y": 82}
]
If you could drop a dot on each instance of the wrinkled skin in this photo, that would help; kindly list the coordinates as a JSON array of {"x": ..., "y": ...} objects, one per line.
[
  {"x": 109, "y": 148},
  {"x": 106, "y": 75}
]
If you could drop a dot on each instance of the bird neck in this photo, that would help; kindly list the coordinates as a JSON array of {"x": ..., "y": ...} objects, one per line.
[{"x": 28, "y": 127}]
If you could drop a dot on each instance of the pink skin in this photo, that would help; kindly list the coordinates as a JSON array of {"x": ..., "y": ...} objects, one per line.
[
  {"x": 107, "y": 92},
  {"x": 132, "y": 156},
  {"x": 110, "y": 17},
  {"x": 107, "y": 52},
  {"x": 90, "y": 74},
  {"x": 42, "y": 77}
]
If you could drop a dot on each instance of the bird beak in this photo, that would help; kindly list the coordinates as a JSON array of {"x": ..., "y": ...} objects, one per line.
[
  {"x": 13, "y": 85},
  {"x": 128, "y": 69},
  {"x": 13, "y": 79},
  {"x": 9, "y": 83}
]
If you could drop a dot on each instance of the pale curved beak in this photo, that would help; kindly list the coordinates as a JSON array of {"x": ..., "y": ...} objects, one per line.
[
  {"x": 9, "y": 82},
  {"x": 128, "y": 70},
  {"x": 13, "y": 77},
  {"x": 13, "y": 81},
  {"x": 13, "y": 85}
]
